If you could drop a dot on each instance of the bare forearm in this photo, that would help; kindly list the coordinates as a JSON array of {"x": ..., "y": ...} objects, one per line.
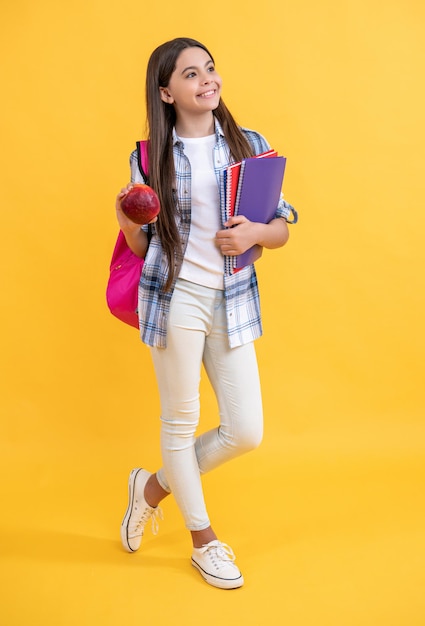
[
  {"x": 137, "y": 241},
  {"x": 272, "y": 235}
]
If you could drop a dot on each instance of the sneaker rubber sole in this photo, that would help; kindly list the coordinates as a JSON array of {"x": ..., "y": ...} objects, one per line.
[{"x": 216, "y": 581}]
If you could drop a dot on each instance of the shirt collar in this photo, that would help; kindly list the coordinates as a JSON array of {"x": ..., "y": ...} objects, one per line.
[{"x": 218, "y": 132}]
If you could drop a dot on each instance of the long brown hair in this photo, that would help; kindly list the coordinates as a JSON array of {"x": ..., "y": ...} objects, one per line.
[{"x": 161, "y": 119}]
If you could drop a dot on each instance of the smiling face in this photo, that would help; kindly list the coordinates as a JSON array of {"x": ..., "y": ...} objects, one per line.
[{"x": 194, "y": 87}]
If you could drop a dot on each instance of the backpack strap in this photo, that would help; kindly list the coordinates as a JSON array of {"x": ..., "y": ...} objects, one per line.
[
  {"x": 143, "y": 163},
  {"x": 142, "y": 159}
]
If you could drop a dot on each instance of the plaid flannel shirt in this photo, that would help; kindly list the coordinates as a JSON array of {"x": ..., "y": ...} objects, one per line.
[{"x": 241, "y": 288}]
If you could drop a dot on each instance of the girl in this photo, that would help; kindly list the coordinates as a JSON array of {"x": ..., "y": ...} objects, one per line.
[{"x": 191, "y": 311}]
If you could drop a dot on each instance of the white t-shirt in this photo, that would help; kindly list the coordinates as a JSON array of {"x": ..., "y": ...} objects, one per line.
[{"x": 203, "y": 262}]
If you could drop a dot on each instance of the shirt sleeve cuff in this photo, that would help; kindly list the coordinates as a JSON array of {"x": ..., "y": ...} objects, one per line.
[{"x": 286, "y": 210}]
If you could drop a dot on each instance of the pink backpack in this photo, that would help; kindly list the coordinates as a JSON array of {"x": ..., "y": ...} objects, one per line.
[{"x": 126, "y": 268}]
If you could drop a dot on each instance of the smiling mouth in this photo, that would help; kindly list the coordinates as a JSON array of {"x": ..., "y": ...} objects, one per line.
[{"x": 207, "y": 94}]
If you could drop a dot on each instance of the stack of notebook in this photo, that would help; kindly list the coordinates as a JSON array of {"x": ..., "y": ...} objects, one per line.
[{"x": 252, "y": 188}]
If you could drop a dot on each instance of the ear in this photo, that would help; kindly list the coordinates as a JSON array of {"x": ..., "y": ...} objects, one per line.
[{"x": 165, "y": 95}]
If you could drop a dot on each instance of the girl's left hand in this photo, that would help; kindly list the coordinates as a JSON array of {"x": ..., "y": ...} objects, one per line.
[{"x": 234, "y": 241}]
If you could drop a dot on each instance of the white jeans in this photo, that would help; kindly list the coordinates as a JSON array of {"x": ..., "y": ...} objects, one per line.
[{"x": 197, "y": 334}]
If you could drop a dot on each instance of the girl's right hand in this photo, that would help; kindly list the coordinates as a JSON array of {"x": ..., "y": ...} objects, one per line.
[
  {"x": 136, "y": 238},
  {"x": 125, "y": 224}
]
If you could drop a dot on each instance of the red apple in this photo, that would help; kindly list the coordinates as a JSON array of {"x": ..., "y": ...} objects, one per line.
[{"x": 141, "y": 204}]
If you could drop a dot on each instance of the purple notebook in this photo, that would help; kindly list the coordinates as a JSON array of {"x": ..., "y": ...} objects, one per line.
[{"x": 260, "y": 186}]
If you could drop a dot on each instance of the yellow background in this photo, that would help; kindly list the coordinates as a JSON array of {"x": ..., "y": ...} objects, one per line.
[{"x": 327, "y": 516}]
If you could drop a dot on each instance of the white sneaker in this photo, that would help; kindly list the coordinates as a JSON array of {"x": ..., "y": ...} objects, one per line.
[
  {"x": 215, "y": 563},
  {"x": 138, "y": 512}
]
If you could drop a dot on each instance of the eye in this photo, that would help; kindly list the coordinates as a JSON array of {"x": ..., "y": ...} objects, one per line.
[
  {"x": 191, "y": 75},
  {"x": 211, "y": 68}
]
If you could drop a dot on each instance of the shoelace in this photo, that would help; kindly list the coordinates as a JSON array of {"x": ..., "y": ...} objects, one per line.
[
  {"x": 221, "y": 550},
  {"x": 155, "y": 515}
]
